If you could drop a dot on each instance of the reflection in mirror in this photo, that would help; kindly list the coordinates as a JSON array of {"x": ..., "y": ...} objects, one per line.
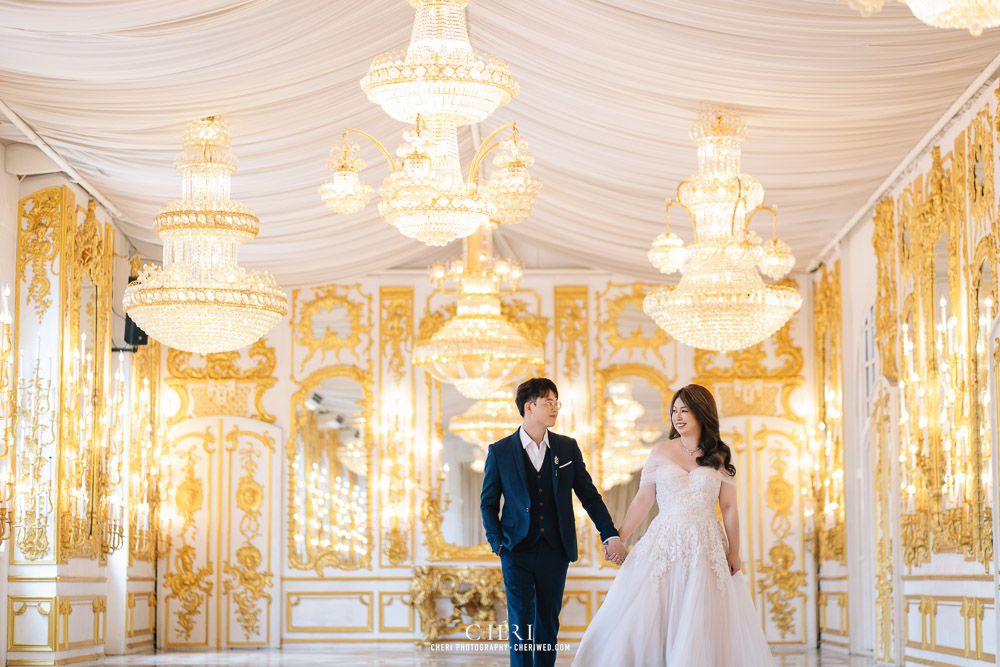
[
  {"x": 330, "y": 475},
  {"x": 950, "y": 353},
  {"x": 986, "y": 310},
  {"x": 634, "y": 422},
  {"x": 472, "y": 427},
  {"x": 84, "y": 415}
]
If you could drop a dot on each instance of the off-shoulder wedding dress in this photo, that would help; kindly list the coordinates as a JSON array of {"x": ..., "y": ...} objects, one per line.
[{"x": 674, "y": 602}]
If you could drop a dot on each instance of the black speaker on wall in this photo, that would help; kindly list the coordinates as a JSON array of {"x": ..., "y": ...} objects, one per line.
[{"x": 134, "y": 336}]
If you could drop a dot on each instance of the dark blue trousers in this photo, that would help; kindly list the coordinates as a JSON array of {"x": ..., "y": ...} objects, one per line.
[{"x": 534, "y": 579}]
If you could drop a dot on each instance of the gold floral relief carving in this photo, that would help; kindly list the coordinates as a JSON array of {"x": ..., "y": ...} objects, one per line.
[
  {"x": 611, "y": 310},
  {"x": 780, "y": 582},
  {"x": 439, "y": 549},
  {"x": 571, "y": 331},
  {"x": 886, "y": 324},
  {"x": 42, "y": 217},
  {"x": 397, "y": 329},
  {"x": 220, "y": 385},
  {"x": 474, "y": 592},
  {"x": 248, "y": 583},
  {"x": 188, "y": 584},
  {"x": 323, "y": 338}
]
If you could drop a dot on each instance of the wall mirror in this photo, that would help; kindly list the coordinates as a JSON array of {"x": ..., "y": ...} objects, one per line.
[
  {"x": 632, "y": 406},
  {"x": 470, "y": 427},
  {"x": 330, "y": 452}
]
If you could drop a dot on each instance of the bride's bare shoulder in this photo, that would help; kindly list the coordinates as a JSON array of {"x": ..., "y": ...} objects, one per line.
[{"x": 662, "y": 448}]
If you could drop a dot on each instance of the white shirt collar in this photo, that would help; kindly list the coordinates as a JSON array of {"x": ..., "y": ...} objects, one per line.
[{"x": 526, "y": 439}]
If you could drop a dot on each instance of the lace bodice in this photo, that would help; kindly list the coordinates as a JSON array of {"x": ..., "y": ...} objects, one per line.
[{"x": 686, "y": 531}]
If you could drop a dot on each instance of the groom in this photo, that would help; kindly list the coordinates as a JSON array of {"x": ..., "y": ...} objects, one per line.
[{"x": 535, "y": 470}]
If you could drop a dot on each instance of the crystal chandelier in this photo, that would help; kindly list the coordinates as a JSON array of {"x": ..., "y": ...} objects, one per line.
[
  {"x": 478, "y": 350},
  {"x": 201, "y": 300},
  {"x": 488, "y": 420},
  {"x": 439, "y": 83},
  {"x": 972, "y": 15},
  {"x": 624, "y": 450},
  {"x": 721, "y": 303}
]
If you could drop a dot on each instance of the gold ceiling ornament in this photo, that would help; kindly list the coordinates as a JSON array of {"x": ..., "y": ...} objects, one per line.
[
  {"x": 201, "y": 300},
  {"x": 488, "y": 420},
  {"x": 438, "y": 84},
  {"x": 721, "y": 303},
  {"x": 478, "y": 350},
  {"x": 972, "y": 15}
]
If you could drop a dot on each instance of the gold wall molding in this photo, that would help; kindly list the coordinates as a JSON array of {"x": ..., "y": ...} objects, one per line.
[
  {"x": 293, "y": 599},
  {"x": 386, "y": 599},
  {"x": 17, "y": 606},
  {"x": 474, "y": 593},
  {"x": 970, "y": 609},
  {"x": 886, "y": 321},
  {"x": 325, "y": 302},
  {"x": 131, "y": 602},
  {"x": 222, "y": 384}
]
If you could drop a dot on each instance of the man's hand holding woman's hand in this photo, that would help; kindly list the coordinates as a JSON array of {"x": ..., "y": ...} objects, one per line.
[{"x": 615, "y": 551}]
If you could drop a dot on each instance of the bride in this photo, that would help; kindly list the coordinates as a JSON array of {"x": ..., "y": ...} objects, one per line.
[{"x": 680, "y": 599}]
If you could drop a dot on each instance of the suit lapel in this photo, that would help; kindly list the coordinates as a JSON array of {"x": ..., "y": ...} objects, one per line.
[
  {"x": 515, "y": 452},
  {"x": 556, "y": 460}
]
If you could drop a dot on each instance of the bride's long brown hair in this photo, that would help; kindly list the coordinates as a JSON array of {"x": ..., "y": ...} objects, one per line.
[{"x": 701, "y": 403}]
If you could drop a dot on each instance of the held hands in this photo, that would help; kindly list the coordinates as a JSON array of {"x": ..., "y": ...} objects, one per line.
[
  {"x": 735, "y": 564},
  {"x": 615, "y": 551}
]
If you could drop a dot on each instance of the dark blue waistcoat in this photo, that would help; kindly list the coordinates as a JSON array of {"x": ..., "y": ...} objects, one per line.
[{"x": 544, "y": 524}]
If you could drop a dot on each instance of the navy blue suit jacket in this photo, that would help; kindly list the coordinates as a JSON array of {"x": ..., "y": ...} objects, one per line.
[{"x": 505, "y": 476}]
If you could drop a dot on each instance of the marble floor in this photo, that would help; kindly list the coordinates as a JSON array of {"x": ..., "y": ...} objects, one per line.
[{"x": 371, "y": 655}]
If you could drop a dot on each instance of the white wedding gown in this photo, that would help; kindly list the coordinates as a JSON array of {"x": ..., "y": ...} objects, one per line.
[{"x": 674, "y": 602}]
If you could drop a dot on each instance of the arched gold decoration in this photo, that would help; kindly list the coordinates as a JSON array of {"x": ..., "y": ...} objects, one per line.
[
  {"x": 320, "y": 557},
  {"x": 357, "y": 307}
]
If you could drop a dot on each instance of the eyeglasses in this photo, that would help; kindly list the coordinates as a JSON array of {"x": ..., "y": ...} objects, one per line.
[{"x": 549, "y": 403}]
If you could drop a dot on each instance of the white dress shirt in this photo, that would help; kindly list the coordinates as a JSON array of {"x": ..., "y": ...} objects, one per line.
[{"x": 536, "y": 450}]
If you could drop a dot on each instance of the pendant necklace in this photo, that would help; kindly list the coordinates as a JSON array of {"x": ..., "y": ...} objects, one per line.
[{"x": 689, "y": 451}]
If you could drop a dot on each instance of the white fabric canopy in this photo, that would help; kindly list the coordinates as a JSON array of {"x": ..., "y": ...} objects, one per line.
[{"x": 608, "y": 90}]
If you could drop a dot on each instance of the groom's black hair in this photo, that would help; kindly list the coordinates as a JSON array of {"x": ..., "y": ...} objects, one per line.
[{"x": 532, "y": 390}]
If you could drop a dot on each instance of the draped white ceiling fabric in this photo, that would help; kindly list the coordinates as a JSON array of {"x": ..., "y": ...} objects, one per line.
[{"x": 833, "y": 102}]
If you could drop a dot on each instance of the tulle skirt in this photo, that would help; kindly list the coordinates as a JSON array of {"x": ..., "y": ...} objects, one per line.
[{"x": 683, "y": 618}]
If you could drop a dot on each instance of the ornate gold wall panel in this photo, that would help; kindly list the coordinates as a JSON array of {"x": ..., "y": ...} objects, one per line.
[
  {"x": 217, "y": 571},
  {"x": 146, "y": 445},
  {"x": 334, "y": 318},
  {"x": 886, "y": 322},
  {"x": 223, "y": 384},
  {"x": 622, "y": 326}
]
